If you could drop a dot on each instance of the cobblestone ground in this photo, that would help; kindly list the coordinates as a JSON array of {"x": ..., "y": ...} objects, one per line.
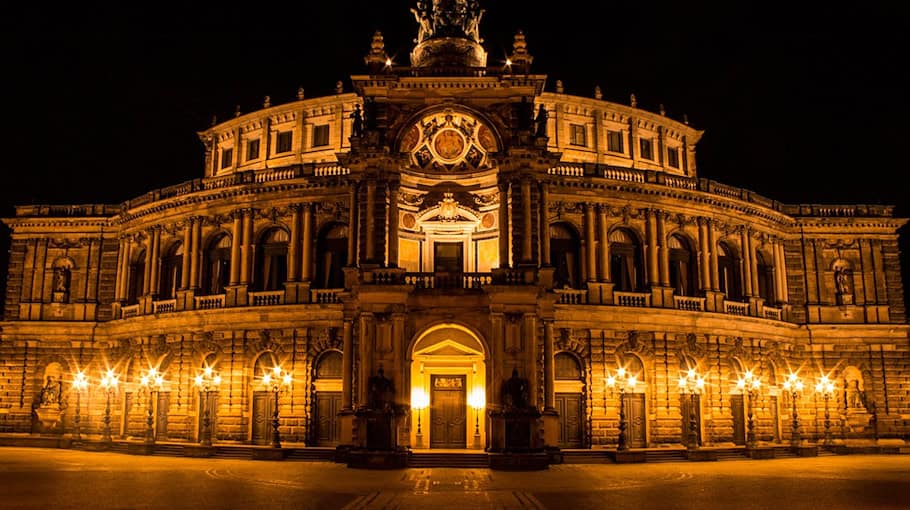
[{"x": 60, "y": 479}]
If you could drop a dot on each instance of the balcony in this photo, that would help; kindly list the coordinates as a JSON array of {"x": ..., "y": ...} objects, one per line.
[
  {"x": 736, "y": 308},
  {"x": 164, "y": 306},
  {"x": 267, "y": 298},
  {"x": 689, "y": 304},
  {"x": 636, "y": 299},
  {"x": 209, "y": 302}
]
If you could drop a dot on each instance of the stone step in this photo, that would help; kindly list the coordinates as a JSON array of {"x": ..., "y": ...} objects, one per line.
[{"x": 460, "y": 460}]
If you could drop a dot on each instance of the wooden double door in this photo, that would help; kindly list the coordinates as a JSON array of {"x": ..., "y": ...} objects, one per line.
[
  {"x": 448, "y": 412},
  {"x": 328, "y": 405},
  {"x": 263, "y": 408}
]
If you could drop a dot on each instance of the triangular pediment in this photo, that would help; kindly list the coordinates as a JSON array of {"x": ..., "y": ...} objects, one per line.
[{"x": 448, "y": 348}]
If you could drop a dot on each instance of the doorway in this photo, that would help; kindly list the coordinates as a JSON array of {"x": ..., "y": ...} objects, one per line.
[
  {"x": 448, "y": 257},
  {"x": 263, "y": 402},
  {"x": 635, "y": 419},
  {"x": 739, "y": 419},
  {"x": 448, "y": 411},
  {"x": 164, "y": 402},
  {"x": 328, "y": 405},
  {"x": 570, "y": 407}
]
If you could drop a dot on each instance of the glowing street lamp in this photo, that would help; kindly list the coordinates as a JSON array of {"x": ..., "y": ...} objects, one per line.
[
  {"x": 624, "y": 381},
  {"x": 151, "y": 381},
  {"x": 419, "y": 401},
  {"x": 691, "y": 384},
  {"x": 750, "y": 384},
  {"x": 795, "y": 386},
  {"x": 109, "y": 381},
  {"x": 826, "y": 387},
  {"x": 80, "y": 382},
  {"x": 207, "y": 382},
  {"x": 477, "y": 400},
  {"x": 276, "y": 380}
]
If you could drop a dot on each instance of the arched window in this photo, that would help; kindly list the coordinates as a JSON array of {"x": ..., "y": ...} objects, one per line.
[
  {"x": 136, "y": 278},
  {"x": 171, "y": 271},
  {"x": 272, "y": 260},
  {"x": 265, "y": 363},
  {"x": 625, "y": 261},
  {"x": 564, "y": 255},
  {"x": 567, "y": 367},
  {"x": 329, "y": 366},
  {"x": 765, "y": 272},
  {"x": 217, "y": 260},
  {"x": 682, "y": 266},
  {"x": 728, "y": 274},
  {"x": 331, "y": 257}
]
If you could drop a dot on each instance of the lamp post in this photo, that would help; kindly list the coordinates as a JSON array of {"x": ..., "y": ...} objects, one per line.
[
  {"x": 624, "y": 381},
  {"x": 794, "y": 385},
  {"x": 275, "y": 380},
  {"x": 152, "y": 380},
  {"x": 749, "y": 383},
  {"x": 691, "y": 384},
  {"x": 80, "y": 382},
  {"x": 826, "y": 387},
  {"x": 477, "y": 400},
  {"x": 419, "y": 401},
  {"x": 207, "y": 382},
  {"x": 109, "y": 381}
]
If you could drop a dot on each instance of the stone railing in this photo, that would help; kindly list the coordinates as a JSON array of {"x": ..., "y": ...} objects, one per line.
[
  {"x": 209, "y": 302},
  {"x": 164, "y": 306},
  {"x": 266, "y": 298},
  {"x": 690, "y": 304},
  {"x": 443, "y": 280},
  {"x": 770, "y": 312},
  {"x": 325, "y": 296},
  {"x": 736, "y": 308},
  {"x": 624, "y": 174},
  {"x": 387, "y": 276},
  {"x": 637, "y": 299},
  {"x": 330, "y": 170},
  {"x": 129, "y": 311},
  {"x": 567, "y": 170},
  {"x": 571, "y": 296}
]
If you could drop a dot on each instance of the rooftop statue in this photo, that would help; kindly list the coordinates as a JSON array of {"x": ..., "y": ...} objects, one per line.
[{"x": 448, "y": 18}]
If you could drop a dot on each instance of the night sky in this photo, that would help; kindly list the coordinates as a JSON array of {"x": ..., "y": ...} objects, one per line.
[{"x": 801, "y": 106}]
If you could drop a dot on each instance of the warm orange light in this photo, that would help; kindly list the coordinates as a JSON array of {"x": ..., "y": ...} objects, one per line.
[{"x": 419, "y": 399}]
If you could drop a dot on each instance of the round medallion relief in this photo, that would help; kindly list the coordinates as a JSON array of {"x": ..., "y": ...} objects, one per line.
[
  {"x": 488, "y": 220},
  {"x": 449, "y": 144},
  {"x": 408, "y": 221}
]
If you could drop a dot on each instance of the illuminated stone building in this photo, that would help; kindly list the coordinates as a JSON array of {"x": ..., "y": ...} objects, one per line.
[{"x": 449, "y": 223}]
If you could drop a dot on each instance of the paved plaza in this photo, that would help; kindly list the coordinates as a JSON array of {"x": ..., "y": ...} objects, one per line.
[{"x": 33, "y": 478}]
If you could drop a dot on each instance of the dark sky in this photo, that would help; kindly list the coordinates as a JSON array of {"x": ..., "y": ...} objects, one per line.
[{"x": 800, "y": 104}]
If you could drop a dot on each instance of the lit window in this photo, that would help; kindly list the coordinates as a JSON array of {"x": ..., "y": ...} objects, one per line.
[
  {"x": 321, "y": 135},
  {"x": 614, "y": 141},
  {"x": 673, "y": 157},
  {"x": 227, "y": 157},
  {"x": 284, "y": 142},
  {"x": 578, "y": 135},
  {"x": 252, "y": 149},
  {"x": 645, "y": 145}
]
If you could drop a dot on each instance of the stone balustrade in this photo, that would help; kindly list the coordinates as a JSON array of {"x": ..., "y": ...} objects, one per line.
[
  {"x": 209, "y": 302},
  {"x": 164, "y": 306},
  {"x": 636, "y": 299},
  {"x": 689, "y": 304},
  {"x": 267, "y": 298},
  {"x": 736, "y": 308}
]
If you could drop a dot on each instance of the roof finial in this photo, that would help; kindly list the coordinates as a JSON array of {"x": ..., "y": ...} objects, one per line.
[
  {"x": 214, "y": 119},
  {"x": 686, "y": 119},
  {"x": 339, "y": 87},
  {"x": 598, "y": 93},
  {"x": 300, "y": 94},
  {"x": 520, "y": 55},
  {"x": 663, "y": 111},
  {"x": 633, "y": 101},
  {"x": 267, "y": 102},
  {"x": 237, "y": 111},
  {"x": 377, "y": 57},
  {"x": 559, "y": 87}
]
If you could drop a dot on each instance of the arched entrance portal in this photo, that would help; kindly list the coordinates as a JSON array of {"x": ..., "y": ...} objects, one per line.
[{"x": 448, "y": 388}]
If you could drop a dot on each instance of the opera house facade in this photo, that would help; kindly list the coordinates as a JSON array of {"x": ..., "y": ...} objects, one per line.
[{"x": 464, "y": 249}]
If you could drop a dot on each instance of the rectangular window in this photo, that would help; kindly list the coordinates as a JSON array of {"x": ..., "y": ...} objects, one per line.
[
  {"x": 614, "y": 141},
  {"x": 321, "y": 135},
  {"x": 284, "y": 142},
  {"x": 578, "y": 135},
  {"x": 227, "y": 158},
  {"x": 252, "y": 150},
  {"x": 645, "y": 145},
  {"x": 673, "y": 157}
]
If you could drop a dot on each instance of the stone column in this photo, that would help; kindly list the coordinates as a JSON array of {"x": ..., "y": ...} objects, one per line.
[
  {"x": 369, "y": 228},
  {"x": 781, "y": 270},
  {"x": 306, "y": 266},
  {"x": 704, "y": 254},
  {"x": 352, "y": 226},
  {"x": 347, "y": 366},
  {"x": 235, "y": 247},
  {"x": 545, "y": 225},
  {"x": 122, "y": 268},
  {"x": 712, "y": 245},
  {"x": 664, "y": 249},
  {"x": 526, "y": 234},
  {"x": 503, "y": 224},
  {"x": 605, "y": 275},
  {"x": 753, "y": 264},
  {"x": 653, "y": 276},
  {"x": 196, "y": 252},
  {"x": 147, "y": 274},
  {"x": 746, "y": 244},
  {"x": 247, "y": 249},
  {"x": 393, "y": 224},
  {"x": 549, "y": 369},
  {"x": 156, "y": 260},
  {"x": 294, "y": 244},
  {"x": 187, "y": 254},
  {"x": 590, "y": 243}
]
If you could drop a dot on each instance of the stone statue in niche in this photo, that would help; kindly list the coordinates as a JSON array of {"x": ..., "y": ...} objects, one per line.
[
  {"x": 843, "y": 282},
  {"x": 60, "y": 284},
  {"x": 855, "y": 397},
  {"x": 515, "y": 393},
  {"x": 357, "y": 127},
  {"x": 382, "y": 391},
  {"x": 51, "y": 392},
  {"x": 541, "y": 121}
]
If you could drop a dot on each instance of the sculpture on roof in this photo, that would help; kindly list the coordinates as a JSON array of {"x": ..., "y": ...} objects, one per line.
[{"x": 448, "y": 18}]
